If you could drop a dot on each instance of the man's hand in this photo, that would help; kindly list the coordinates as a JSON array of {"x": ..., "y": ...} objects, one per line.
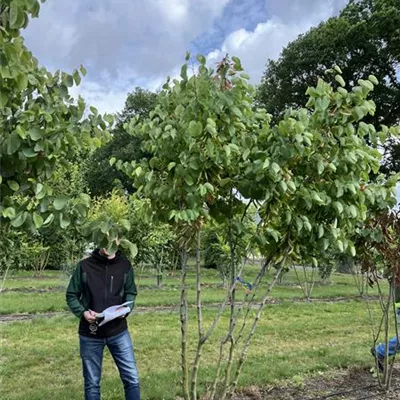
[{"x": 90, "y": 316}]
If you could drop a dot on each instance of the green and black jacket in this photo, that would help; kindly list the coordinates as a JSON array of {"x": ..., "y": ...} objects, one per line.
[{"x": 98, "y": 283}]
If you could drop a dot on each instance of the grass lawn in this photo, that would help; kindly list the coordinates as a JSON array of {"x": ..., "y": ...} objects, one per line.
[
  {"x": 47, "y": 293},
  {"x": 40, "y": 358}
]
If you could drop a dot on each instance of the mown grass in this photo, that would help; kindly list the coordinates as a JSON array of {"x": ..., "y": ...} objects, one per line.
[
  {"x": 50, "y": 290},
  {"x": 40, "y": 358}
]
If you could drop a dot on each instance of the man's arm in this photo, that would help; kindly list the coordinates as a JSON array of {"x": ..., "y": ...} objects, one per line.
[
  {"x": 130, "y": 288},
  {"x": 74, "y": 292}
]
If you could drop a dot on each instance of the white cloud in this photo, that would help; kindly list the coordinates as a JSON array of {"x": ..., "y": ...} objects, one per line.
[
  {"x": 300, "y": 10},
  {"x": 121, "y": 43},
  {"x": 268, "y": 38},
  {"x": 128, "y": 43}
]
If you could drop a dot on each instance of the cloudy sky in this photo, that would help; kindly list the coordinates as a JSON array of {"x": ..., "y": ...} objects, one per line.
[{"x": 128, "y": 43}]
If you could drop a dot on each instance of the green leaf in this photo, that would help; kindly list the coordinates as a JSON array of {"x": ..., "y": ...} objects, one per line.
[
  {"x": 132, "y": 248},
  {"x": 238, "y": 65},
  {"x": 283, "y": 186},
  {"x": 38, "y": 189},
  {"x": 183, "y": 74},
  {"x": 77, "y": 77},
  {"x": 19, "y": 220},
  {"x": 189, "y": 180},
  {"x": 201, "y": 59},
  {"x": 60, "y": 202},
  {"x": 81, "y": 209},
  {"x": 340, "y": 80},
  {"x": 338, "y": 207},
  {"x": 13, "y": 143},
  {"x": 67, "y": 80},
  {"x": 49, "y": 220},
  {"x": 171, "y": 165},
  {"x": 9, "y": 212},
  {"x": 3, "y": 98},
  {"x": 337, "y": 69},
  {"x": 246, "y": 154},
  {"x": 320, "y": 231},
  {"x": 352, "y": 210},
  {"x": 320, "y": 167},
  {"x": 366, "y": 84},
  {"x": 359, "y": 112},
  {"x": 112, "y": 161},
  {"x": 13, "y": 14},
  {"x": 195, "y": 128},
  {"x": 227, "y": 150},
  {"x": 275, "y": 167},
  {"x": 273, "y": 233},
  {"x": 340, "y": 190},
  {"x": 187, "y": 56},
  {"x": 125, "y": 224},
  {"x": 22, "y": 81},
  {"x": 325, "y": 244},
  {"x": 373, "y": 79},
  {"x": 14, "y": 186},
  {"x": 138, "y": 171},
  {"x": 314, "y": 262},
  {"x": 28, "y": 152},
  {"x": 83, "y": 70},
  {"x": 37, "y": 220},
  {"x": 35, "y": 7},
  {"x": 352, "y": 249},
  {"x": 35, "y": 133},
  {"x": 64, "y": 221},
  {"x": 307, "y": 225},
  {"x": 317, "y": 198}
]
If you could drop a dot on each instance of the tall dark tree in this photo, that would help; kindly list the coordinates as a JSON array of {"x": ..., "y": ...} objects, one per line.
[
  {"x": 364, "y": 39},
  {"x": 101, "y": 178}
]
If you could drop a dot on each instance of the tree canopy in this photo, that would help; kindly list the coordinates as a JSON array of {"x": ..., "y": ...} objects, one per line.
[
  {"x": 364, "y": 39},
  {"x": 100, "y": 176},
  {"x": 41, "y": 126}
]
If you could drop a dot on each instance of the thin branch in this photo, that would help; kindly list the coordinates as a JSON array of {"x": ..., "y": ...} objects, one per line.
[
  {"x": 200, "y": 328},
  {"x": 252, "y": 330},
  {"x": 184, "y": 326}
]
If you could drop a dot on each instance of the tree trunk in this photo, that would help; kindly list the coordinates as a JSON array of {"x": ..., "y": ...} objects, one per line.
[{"x": 184, "y": 326}]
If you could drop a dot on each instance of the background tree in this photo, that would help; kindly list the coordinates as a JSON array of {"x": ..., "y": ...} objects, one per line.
[
  {"x": 100, "y": 176},
  {"x": 41, "y": 127},
  {"x": 364, "y": 39}
]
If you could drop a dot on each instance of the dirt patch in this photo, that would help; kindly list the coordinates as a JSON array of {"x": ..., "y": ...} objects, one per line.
[{"x": 351, "y": 384}]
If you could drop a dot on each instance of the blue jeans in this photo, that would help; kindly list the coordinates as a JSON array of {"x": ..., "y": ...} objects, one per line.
[{"x": 121, "y": 349}]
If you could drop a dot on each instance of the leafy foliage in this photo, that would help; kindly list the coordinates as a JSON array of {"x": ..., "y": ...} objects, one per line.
[
  {"x": 42, "y": 128},
  {"x": 196, "y": 137},
  {"x": 363, "y": 40},
  {"x": 107, "y": 223},
  {"x": 308, "y": 175},
  {"x": 155, "y": 241},
  {"x": 100, "y": 176}
]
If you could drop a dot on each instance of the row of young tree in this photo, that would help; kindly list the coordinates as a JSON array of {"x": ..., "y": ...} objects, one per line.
[{"x": 290, "y": 186}]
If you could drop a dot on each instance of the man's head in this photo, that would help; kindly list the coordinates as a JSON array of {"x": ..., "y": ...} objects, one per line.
[{"x": 106, "y": 253}]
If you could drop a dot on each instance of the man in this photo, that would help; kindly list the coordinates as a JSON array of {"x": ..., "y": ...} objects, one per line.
[
  {"x": 98, "y": 282},
  {"x": 379, "y": 352}
]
